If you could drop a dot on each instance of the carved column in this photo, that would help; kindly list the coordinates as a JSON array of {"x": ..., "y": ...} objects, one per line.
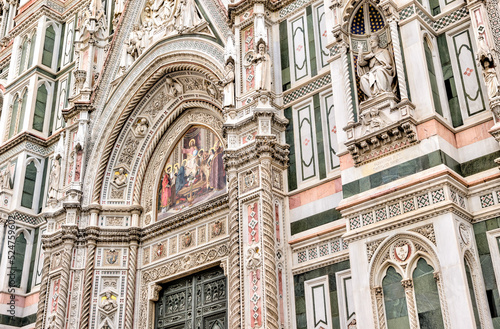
[
  {"x": 132, "y": 270},
  {"x": 410, "y": 302},
  {"x": 378, "y": 298},
  {"x": 398, "y": 57},
  {"x": 442, "y": 300},
  {"x": 42, "y": 297},
  {"x": 344, "y": 53},
  {"x": 91, "y": 236},
  {"x": 69, "y": 237}
]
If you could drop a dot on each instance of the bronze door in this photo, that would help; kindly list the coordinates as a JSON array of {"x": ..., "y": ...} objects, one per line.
[{"x": 198, "y": 301}]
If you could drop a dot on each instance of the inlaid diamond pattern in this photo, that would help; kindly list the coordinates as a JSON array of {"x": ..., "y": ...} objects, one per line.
[
  {"x": 437, "y": 196},
  {"x": 406, "y": 12},
  {"x": 354, "y": 223},
  {"x": 310, "y": 87},
  {"x": 408, "y": 205},
  {"x": 345, "y": 245},
  {"x": 336, "y": 246},
  {"x": 380, "y": 214},
  {"x": 323, "y": 250},
  {"x": 313, "y": 253},
  {"x": 486, "y": 200},
  {"x": 451, "y": 18},
  {"x": 454, "y": 196},
  {"x": 423, "y": 200},
  {"x": 367, "y": 218},
  {"x": 302, "y": 257},
  {"x": 461, "y": 200},
  {"x": 394, "y": 210}
]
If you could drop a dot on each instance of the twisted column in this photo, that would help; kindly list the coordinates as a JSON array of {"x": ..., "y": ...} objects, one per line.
[
  {"x": 398, "y": 58},
  {"x": 347, "y": 84},
  {"x": 410, "y": 301},
  {"x": 442, "y": 300},
  {"x": 64, "y": 283},
  {"x": 132, "y": 269},
  {"x": 270, "y": 288},
  {"x": 234, "y": 254},
  {"x": 379, "y": 301},
  {"x": 87, "y": 284},
  {"x": 43, "y": 291}
]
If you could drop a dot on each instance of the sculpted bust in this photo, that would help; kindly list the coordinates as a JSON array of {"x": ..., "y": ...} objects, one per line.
[
  {"x": 375, "y": 69},
  {"x": 108, "y": 304}
]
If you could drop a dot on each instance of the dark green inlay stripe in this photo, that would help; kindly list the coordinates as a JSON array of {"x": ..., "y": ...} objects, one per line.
[
  {"x": 285, "y": 58},
  {"x": 15, "y": 321},
  {"x": 312, "y": 45},
  {"x": 292, "y": 170},
  {"x": 319, "y": 137},
  {"x": 315, "y": 221}
]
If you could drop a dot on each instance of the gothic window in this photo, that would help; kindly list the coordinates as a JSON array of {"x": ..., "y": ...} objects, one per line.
[
  {"x": 197, "y": 301},
  {"x": 48, "y": 46},
  {"x": 18, "y": 264},
  {"x": 472, "y": 293},
  {"x": 17, "y": 113},
  {"x": 14, "y": 116},
  {"x": 429, "y": 58},
  {"x": 32, "y": 49},
  {"x": 29, "y": 185},
  {"x": 194, "y": 172},
  {"x": 427, "y": 296},
  {"x": 40, "y": 106},
  {"x": 396, "y": 310},
  {"x": 24, "y": 54}
]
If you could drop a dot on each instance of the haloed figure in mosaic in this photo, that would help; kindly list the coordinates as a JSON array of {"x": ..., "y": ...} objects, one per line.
[
  {"x": 375, "y": 69},
  {"x": 194, "y": 172}
]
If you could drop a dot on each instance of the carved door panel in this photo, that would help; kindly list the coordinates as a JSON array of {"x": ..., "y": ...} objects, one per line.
[{"x": 195, "y": 302}]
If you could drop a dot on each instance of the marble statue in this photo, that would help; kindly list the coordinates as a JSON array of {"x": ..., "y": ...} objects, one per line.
[
  {"x": 262, "y": 62},
  {"x": 108, "y": 303},
  {"x": 375, "y": 69},
  {"x": 187, "y": 16},
  {"x": 490, "y": 77},
  {"x": 55, "y": 173},
  {"x": 173, "y": 88},
  {"x": 5, "y": 179},
  {"x": 228, "y": 83},
  {"x": 135, "y": 42},
  {"x": 120, "y": 177}
]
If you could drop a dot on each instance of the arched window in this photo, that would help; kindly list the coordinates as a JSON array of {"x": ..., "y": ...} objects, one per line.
[
  {"x": 32, "y": 49},
  {"x": 24, "y": 100},
  {"x": 29, "y": 185},
  {"x": 427, "y": 296},
  {"x": 24, "y": 53},
  {"x": 40, "y": 106},
  {"x": 472, "y": 293},
  {"x": 13, "y": 117},
  {"x": 48, "y": 46},
  {"x": 396, "y": 310},
  {"x": 18, "y": 264}
]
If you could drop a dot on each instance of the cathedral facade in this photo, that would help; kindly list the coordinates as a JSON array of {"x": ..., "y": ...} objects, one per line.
[{"x": 212, "y": 164}]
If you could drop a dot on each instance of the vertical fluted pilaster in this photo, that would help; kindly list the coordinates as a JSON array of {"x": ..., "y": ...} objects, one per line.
[
  {"x": 87, "y": 284},
  {"x": 234, "y": 255},
  {"x": 42, "y": 302}
]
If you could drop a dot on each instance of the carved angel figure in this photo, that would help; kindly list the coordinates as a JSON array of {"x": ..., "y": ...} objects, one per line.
[
  {"x": 187, "y": 16},
  {"x": 135, "y": 42},
  {"x": 108, "y": 303},
  {"x": 120, "y": 177},
  {"x": 173, "y": 88},
  {"x": 375, "y": 69},
  {"x": 142, "y": 127}
]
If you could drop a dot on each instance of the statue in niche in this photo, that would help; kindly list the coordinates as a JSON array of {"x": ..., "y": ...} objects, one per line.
[
  {"x": 262, "y": 62},
  {"x": 187, "y": 16},
  {"x": 55, "y": 173},
  {"x": 108, "y": 303},
  {"x": 5, "y": 179},
  {"x": 228, "y": 83},
  {"x": 142, "y": 127},
  {"x": 375, "y": 69},
  {"x": 135, "y": 42},
  {"x": 120, "y": 177},
  {"x": 488, "y": 65},
  {"x": 172, "y": 87}
]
